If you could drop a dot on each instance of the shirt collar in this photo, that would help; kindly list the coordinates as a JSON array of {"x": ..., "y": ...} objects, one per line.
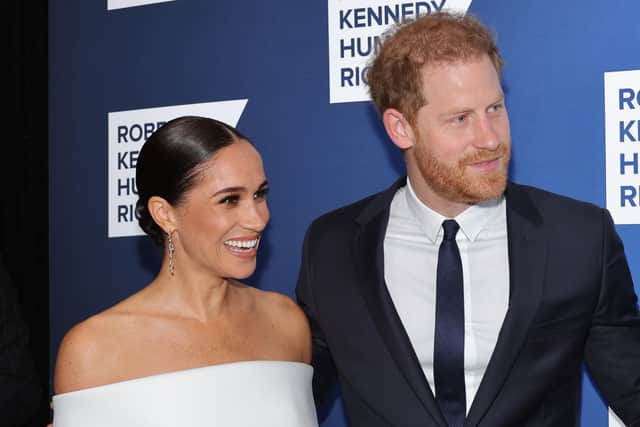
[{"x": 471, "y": 220}]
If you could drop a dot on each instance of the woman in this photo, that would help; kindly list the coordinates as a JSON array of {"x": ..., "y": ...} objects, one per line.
[{"x": 202, "y": 196}]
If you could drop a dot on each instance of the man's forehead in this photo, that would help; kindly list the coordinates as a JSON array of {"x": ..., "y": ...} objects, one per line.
[
  {"x": 460, "y": 90},
  {"x": 435, "y": 66}
]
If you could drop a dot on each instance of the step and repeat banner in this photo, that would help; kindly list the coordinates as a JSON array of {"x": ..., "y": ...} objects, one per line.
[{"x": 292, "y": 77}]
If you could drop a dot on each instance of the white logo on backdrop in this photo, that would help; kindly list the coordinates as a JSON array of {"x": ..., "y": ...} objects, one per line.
[
  {"x": 128, "y": 130},
  {"x": 355, "y": 27},
  {"x": 622, "y": 135},
  {"x": 121, "y": 4}
]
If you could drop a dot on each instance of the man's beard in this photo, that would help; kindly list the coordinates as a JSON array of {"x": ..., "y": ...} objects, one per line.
[{"x": 456, "y": 183}]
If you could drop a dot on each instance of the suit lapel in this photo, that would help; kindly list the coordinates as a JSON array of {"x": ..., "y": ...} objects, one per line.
[
  {"x": 527, "y": 259},
  {"x": 369, "y": 252}
]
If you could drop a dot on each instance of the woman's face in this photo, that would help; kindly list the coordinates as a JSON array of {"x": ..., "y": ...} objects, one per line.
[{"x": 221, "y": 218}]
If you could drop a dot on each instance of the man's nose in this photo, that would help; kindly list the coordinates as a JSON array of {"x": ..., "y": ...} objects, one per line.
[{"x": 487, "y": 137}]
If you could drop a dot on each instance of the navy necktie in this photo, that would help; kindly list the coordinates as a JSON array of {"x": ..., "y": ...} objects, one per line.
[{"x": 448, "y": 352}]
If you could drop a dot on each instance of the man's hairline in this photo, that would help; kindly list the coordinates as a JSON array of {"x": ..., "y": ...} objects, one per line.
[{"x": 443, "y": 63}]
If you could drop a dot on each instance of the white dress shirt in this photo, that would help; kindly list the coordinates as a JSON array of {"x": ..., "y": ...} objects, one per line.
[{"x": 411, "y": 248}]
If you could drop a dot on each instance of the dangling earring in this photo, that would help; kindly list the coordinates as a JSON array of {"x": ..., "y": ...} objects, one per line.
[{"x": 172, "y": 249}]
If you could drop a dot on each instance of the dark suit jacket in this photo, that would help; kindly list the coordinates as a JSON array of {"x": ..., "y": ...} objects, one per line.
[
  {"x": 571, "y": 301},
  {"x": 19, "y": 386}
]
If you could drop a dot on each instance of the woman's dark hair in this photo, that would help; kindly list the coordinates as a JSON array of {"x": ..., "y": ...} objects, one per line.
[{"x": 170, "y": 159}]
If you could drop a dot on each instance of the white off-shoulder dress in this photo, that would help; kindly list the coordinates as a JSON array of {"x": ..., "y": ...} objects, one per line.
[{"x": 239, "y": 394}]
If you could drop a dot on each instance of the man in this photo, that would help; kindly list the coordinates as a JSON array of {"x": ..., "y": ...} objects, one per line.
[{"x": 456, "y": 297}]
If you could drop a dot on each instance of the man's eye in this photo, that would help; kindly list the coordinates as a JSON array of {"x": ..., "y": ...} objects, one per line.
[
  {"x": 459, "y": 119},
  {"x": 495, "y": 108}
]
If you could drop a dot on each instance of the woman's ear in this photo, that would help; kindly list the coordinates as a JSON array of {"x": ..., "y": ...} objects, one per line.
[
  {"x": 162, "y": 213},
  {"x": 398, "y": 128}
]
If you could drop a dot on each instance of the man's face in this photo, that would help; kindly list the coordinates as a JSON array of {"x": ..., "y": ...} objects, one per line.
[{"x": 462, "y": 138}]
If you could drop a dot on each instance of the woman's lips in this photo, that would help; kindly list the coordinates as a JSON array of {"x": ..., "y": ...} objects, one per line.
[{"x": 243, "y": 247}]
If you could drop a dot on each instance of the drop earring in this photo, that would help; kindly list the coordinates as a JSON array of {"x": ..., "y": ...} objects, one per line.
[{"x": 172, "y": 249}]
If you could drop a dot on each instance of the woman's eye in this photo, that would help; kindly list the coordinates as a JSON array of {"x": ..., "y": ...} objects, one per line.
[
  {"x": 261, "y": 194},
  {"x": 230, "y": 200}
]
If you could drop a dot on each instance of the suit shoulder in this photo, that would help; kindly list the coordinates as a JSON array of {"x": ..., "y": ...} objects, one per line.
[
  {"x": 552, "y": 205},
  {"x": 363, "y": 210},
  {"x": 339, "y": 224},
  {"x": 344, "y": 215}
]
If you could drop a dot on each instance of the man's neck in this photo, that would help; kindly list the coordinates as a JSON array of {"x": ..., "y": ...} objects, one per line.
[{"x": 435, "y": 201}]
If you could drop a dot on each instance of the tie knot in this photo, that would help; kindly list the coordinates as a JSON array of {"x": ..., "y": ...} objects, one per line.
[{"x": 450, "y": 227}]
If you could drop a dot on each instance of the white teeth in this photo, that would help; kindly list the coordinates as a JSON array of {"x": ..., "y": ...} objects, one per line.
[{"x": 243, "y": 244}]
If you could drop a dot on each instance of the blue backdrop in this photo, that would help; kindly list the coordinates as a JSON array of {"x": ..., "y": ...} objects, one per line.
[{"x": 317, "y": 155}]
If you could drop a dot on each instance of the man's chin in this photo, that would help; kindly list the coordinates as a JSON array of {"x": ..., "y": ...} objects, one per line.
[{"x": 483, "y": 190}]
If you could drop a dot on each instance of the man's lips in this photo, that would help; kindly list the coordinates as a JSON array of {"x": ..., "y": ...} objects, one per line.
[{"x": 486, "y": 165}]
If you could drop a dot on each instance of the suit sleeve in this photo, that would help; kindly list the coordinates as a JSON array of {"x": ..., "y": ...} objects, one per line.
[
  {"x": 612, "y": 351},
  {"x": 324, "y": 375},
  {"x": 19, "y": 387}
]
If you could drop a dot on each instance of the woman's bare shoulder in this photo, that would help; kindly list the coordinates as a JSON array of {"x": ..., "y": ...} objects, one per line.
[
  {"x": 290, "y": 320},
  {"x": 80, "y": 351},
  {"x": 282, "y": 305},
  {"x": 88, "y": 351}
]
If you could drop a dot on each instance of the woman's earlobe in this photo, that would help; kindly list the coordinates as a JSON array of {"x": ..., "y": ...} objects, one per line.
[{"x": 162, "y": 213}]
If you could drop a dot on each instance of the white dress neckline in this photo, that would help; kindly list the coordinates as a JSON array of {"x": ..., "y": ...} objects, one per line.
[{"x": 240, "y": 394}]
